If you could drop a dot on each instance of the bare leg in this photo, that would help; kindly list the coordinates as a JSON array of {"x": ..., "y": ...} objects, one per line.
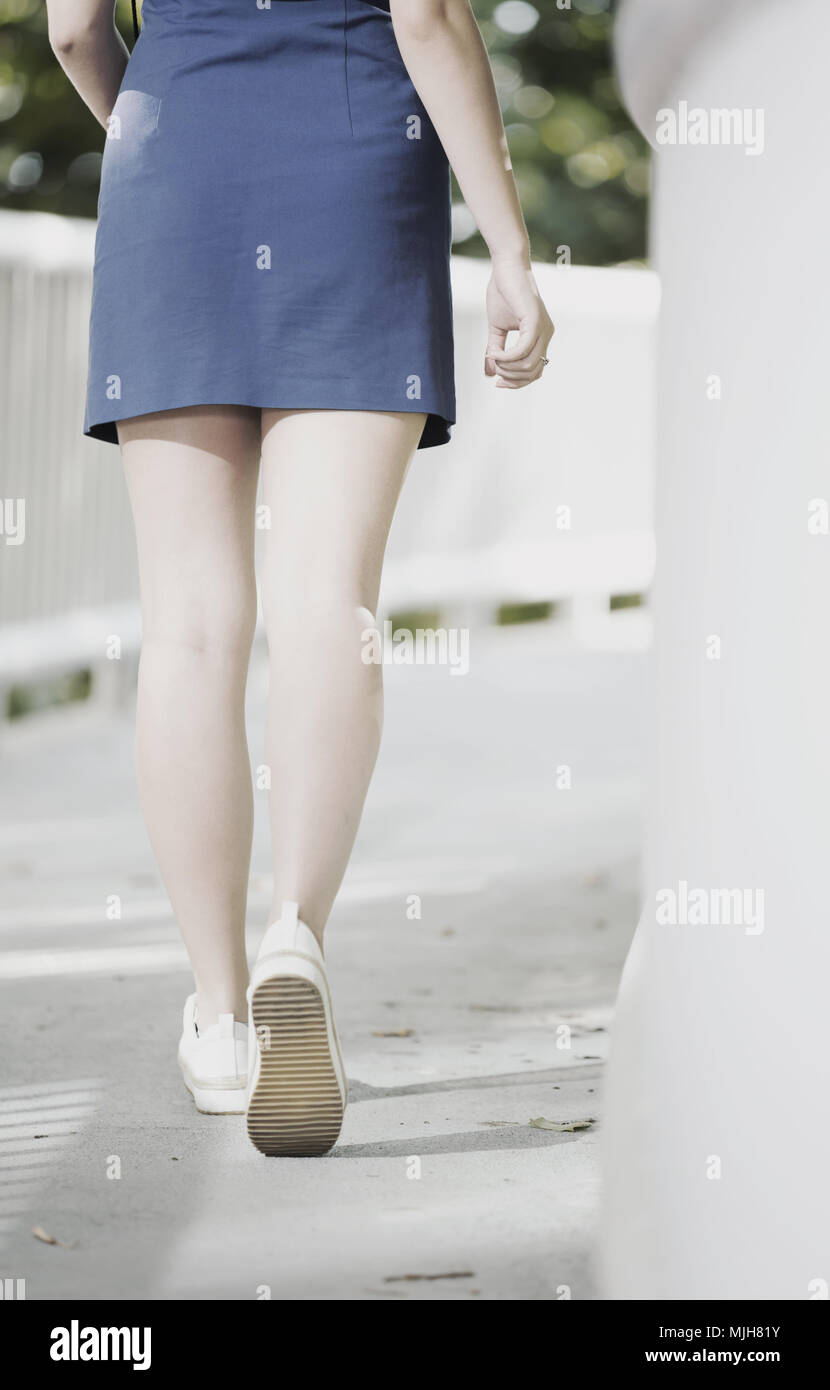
[
  {"x": 192, "y": 477},
  {"x": 332, "y": 481}
]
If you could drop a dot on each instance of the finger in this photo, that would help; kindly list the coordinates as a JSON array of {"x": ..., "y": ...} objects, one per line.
[
  {"x": 496, "y": 339},
  {"x": 528, "y": 363},
  {"x": 520, "y": 373},
  {"x": 523, "y": 370},
  {"x": 524, "y": 347},
  {"x": 516, "y": 385},
  {"x": 495, "y": 344}
]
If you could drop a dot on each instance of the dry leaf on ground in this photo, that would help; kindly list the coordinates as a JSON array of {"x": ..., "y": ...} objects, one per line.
[
  {"x": 563, "y": 1127},
  {"x": 39, "y": 1234}
]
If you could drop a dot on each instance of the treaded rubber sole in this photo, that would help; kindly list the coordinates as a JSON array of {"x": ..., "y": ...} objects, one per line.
[{"x": 295, "y": 1109}]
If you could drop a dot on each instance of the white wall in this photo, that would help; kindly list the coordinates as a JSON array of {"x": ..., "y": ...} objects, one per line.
[{"x": 722, "y": 1039}]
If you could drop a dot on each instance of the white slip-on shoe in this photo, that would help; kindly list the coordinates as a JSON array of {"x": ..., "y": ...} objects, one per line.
[
  {"x": 298, "y": 1092},
  {"x": 214, "y": 1063}
]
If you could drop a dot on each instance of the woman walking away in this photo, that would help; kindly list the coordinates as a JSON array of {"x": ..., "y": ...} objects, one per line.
[{"x": 272, "y": 286}]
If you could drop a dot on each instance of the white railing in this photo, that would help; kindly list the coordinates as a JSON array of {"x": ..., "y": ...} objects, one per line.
[{"x": 543, "y": 494}]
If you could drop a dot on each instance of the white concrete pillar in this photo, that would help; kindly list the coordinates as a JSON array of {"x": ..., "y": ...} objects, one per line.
[{"x": 717, "y": 1141}]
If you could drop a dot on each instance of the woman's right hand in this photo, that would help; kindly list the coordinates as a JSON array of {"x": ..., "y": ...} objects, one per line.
[{"x": 514, "y": 303}]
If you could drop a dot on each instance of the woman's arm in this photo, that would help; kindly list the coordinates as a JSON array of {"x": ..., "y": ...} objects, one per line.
[
  {"x": 90, "y": 50},
  {"x": 446, "y": 59}
]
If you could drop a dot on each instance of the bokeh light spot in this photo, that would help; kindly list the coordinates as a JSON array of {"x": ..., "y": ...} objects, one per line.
[
  {"x": 533, "y": 102},
  {"x": 25, "y": 171},
  {"x": 516, "y": 16}
]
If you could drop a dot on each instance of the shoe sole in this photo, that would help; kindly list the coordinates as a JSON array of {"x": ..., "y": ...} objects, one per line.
[
  {"x": 216, "y": 1102},
  {"x": 296, "y": 1107}
]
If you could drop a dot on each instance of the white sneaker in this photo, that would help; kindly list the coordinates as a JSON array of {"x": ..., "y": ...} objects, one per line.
[
  {"x": 298, "y": 1088},
  {"x": 214, "y": 1064}
]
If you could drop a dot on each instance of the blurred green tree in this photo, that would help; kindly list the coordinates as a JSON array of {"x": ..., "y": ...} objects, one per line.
[{"x": 582, "y": 169}]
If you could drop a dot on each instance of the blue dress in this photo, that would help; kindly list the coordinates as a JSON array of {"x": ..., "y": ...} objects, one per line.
[{"x": 273, "y": 220}]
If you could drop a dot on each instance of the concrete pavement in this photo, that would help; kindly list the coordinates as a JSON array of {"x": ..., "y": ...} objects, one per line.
[{"x": 527, "y": 902}]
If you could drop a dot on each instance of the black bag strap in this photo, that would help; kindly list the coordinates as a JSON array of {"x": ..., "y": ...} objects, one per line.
[{"x": 135, "y": 21}]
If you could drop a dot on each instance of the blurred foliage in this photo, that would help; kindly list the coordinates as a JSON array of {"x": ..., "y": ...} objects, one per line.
[
  {"x": 413, "y": 618},
  {"x": 509, "y": 614},
  {"x": 625, "y": 601},
  {"x": 57, "y": 690},
  {"x": 582, "y": 169},
  {"x": 581, "y": 166}
]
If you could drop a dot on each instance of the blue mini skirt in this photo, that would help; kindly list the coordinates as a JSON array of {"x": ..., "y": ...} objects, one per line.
[{"x": 273, "y": 220}]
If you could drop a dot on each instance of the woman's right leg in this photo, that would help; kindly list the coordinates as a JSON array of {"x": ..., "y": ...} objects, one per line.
[
  {"x": 192, "y": 478},
  {"x": 331, "y": 479}
]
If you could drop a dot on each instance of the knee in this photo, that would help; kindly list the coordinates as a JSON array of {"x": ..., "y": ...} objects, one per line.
[
  {"x": 204, "y": 623},
  {"x": 338, "y": 624},
  {"x": 315, "y": 611}
]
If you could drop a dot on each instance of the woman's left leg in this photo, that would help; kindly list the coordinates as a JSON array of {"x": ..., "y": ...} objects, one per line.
[{"x": 192, "y": 478}]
